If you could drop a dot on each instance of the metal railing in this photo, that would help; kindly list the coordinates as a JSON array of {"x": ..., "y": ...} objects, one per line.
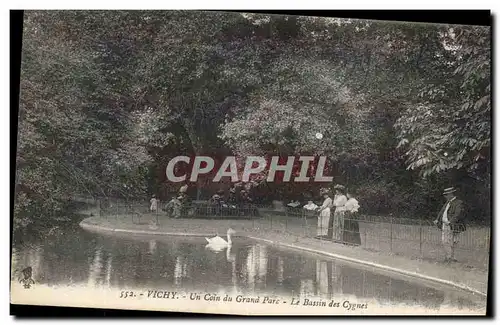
[{"x": 414, "y": 238}]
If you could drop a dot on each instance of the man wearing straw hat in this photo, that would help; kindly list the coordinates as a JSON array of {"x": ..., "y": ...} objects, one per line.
[{"x": 450, "y": 222}]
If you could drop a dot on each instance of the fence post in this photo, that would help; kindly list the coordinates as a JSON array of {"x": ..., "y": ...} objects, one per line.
[
  {"x": 364, "y": 281},
  {"x": 391, "y": 236},
  {"x": 390, "y": 290},
  {"x": 420, "y": 235},
  {"x": 157, "y": 207},
  {"x": 365, "y": 233},
  {"x": 304, "y": 215},
  {"x": 321, "y": 227}
]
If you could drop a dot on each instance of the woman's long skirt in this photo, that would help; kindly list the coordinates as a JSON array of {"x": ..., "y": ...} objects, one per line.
[
  {"x": 323, "y": 220},
  {"x": 338, "y": 226},
  {"x": 351, "y": 229}
]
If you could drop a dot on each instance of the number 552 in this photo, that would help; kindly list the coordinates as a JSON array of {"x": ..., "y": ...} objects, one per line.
[{"x": 125, "y": 294}]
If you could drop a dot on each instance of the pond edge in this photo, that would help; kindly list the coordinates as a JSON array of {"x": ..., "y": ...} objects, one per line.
[{"x": 89, "y": 226}]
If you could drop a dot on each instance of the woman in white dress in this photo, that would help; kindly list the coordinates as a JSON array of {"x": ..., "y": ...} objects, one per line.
[
  {"x": 324, "y": 214},
  {"x": 339, "y": 202}
]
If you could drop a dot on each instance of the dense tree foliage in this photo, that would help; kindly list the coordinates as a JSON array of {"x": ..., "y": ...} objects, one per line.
[
  {"x": 109, "y": 97},
  {"x": 450, "y": 127}
]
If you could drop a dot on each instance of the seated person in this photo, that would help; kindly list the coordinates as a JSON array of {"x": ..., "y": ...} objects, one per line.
[
  {"x": 245, "y": 198},
  {"x": 310, "y": 206},
  {"x": 173, "y": 207},
  {"x": 186, "y": 208},
  {"x": 309, "y": 210},
  {"x": 217, "y": 198},
  {"x": 232, "y": 200},
  {"x": 216, "y": 202}
]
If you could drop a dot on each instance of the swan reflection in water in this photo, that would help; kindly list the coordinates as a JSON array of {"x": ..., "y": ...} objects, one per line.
[{"x": 218, "y": 244}]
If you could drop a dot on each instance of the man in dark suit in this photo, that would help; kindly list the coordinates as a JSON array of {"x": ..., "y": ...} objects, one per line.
[{"x": 450, "y": 221}]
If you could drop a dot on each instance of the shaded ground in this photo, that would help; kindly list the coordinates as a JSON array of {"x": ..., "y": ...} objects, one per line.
[{"x": 294, "y": 232}]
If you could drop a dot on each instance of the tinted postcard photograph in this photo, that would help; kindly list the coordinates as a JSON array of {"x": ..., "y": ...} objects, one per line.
[{"x": 247, "y": 163}]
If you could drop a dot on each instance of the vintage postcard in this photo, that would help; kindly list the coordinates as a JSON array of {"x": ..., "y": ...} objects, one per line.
[{"x": 252, "y": 164}]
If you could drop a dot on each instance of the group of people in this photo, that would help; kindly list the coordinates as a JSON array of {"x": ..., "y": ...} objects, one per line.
[
  {"x": 174, "y": 206},
  {"x": 234, "y": 203},
  {"x": 234, "y": 199},
  {"x": 218, "y": 203},
  {"x": 336, "y": 219},
  {"x": 336, "y": 216}
]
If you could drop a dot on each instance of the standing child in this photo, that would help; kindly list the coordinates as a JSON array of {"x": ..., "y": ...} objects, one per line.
[{"x": 154, "y": 204}]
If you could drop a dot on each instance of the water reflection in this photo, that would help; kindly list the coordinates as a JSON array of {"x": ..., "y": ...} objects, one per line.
[
  {"x": 280, "y": 270},
  {"x": 95, "y": 268},
  {"x": 322, "y": 278},
  {"x": 251, "y": 267},
  {"x": 306, "y": 289},
  {"x": 262, "y": 263},
  {"x": 181, "y": 269},
  {"x": 108, "y": 271},
  {"x": 242, "y": 268},
  {"x": 152, "y": 246}
]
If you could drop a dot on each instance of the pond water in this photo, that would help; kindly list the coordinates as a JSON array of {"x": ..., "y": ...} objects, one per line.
[{"x": 78, "y": 257}]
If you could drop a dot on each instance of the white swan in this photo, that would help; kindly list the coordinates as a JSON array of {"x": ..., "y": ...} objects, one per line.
[
  {"x": 231, "y": 257},
  {"x": 218, "y": 242}
]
